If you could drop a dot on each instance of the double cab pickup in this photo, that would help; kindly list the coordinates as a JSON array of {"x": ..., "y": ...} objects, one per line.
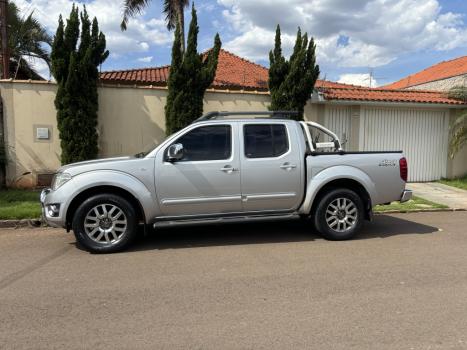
[{"x": 226, "y": 167}]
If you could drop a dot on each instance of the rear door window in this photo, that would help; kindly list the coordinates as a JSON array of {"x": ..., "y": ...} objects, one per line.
[{"x": 265, "y": 140}]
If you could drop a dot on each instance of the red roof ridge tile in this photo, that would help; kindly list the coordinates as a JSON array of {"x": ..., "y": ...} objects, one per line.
[
  {"x": 135, "y": 69},
  {"x": 344, "y": 85},
  {"x": 381, "y": 89}
]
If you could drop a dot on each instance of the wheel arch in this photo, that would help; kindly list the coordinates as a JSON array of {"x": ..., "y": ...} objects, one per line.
[
  {"x": 346, "y": 183},
  {"x": 339, "y": 176},
  {"x": 100, "y": 189}
]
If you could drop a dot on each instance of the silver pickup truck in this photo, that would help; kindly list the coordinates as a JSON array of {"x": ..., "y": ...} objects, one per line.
[{"x": 226, "y": 167}]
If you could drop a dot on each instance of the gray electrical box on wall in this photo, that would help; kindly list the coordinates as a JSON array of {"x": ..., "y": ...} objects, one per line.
[{"x": 42, "y": 133}]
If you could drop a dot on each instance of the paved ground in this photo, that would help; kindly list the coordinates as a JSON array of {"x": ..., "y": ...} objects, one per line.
[
  {"x": 439, "y": 193},
  {"x": 402, "y": 285}
]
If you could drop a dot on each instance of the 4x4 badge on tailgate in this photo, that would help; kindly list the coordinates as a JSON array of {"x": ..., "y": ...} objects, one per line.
[{"x": 387, "y": 162}]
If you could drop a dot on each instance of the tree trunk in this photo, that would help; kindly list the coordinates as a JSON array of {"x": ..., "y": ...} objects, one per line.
[
  {"x": 4, "y": 38},
  {"x": 181, "y": 23},
  {"x": 2, "y": 143}
]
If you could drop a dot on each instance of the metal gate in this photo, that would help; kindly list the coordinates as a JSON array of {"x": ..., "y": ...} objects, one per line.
[
  {"x": 422, "y": 135},
  {"x": 338, "y": 120}
]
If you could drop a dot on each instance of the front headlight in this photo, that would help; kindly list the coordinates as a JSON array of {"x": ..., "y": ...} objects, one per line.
[{"x": 60, "y": 179}]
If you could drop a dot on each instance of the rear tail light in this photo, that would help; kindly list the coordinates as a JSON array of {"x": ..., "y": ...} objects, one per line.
[{"x": 403, "y": 169}]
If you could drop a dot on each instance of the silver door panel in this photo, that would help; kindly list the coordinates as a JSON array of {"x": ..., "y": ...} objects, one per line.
[
  {"x": 199, "y": 187},
  {"x": 271, "y": 183}
]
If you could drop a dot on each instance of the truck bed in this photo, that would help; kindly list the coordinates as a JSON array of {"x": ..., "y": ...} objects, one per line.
[{"x": 379, "y": 171}]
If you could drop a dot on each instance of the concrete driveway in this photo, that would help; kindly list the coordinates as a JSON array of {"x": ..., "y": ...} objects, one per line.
[
  {"x": 455, "y": 198},
  {"x": 402, "y": 285}
]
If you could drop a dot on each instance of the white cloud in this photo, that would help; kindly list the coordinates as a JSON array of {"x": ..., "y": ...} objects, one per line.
[
  {"x": 255, "y": 43},
  {"x": 140, "y": 35},
  {"x": 358, "y": 79},
  {"x": 374, "y": 32},
  {"x": 146, "y": 59}
]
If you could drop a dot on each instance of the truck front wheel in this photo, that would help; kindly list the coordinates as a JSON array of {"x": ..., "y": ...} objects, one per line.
[
  {"x": 339, "y": 214},
  {"x": 105, "y": 223}
]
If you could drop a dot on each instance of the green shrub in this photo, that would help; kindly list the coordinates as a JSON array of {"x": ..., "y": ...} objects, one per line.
[
  {"x": 190, "y": 75},
  {"x": 75, "y": 67},
  {"x": 291, "y": 82}
]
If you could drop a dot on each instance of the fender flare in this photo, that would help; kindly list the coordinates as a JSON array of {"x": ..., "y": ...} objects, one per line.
[
  {"x": 339, "y": 172},
  {"x": 113, "y": 178}
]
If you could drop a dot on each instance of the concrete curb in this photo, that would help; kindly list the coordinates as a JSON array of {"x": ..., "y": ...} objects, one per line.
[
  {"x": 417, "y": 211},
  {"x": 32, "y": 223}
]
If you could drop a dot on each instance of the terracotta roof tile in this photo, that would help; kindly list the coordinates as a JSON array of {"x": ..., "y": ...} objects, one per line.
[
  {"x": 143, "y": 76},
  {"x": 442, "y": 70},
  {"x": 234, "y": 72},
  {"x": 334, "y": 84},
  {"x": 385, "y": 95}
]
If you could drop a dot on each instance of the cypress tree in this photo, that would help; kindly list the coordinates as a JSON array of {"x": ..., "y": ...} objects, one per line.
[
  {"x": 278, "y": 68},
  {"x": 173, "y": 83},
  {"x": 291, "y": 82},
  {"x": 191, "y": 74},
  {"x": 76, "y": 71}
]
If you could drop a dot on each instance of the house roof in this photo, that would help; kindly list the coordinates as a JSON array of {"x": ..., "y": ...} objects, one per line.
[
  {"x": 442, "y": 70},
  {"x": 143, "y": 76},
  {"x": 232, "y": 72},
  {"x": 236, "y": 73},
  {"x": 386, "y": 95}
]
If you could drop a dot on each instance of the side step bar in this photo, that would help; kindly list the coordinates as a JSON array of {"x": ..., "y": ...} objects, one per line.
[{"x": 225, "y": 219}]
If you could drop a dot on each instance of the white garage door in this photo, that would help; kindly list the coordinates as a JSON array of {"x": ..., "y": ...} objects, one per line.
[
  {"x": 337, "y": 119},
  {"x": 421, "y": 134}
]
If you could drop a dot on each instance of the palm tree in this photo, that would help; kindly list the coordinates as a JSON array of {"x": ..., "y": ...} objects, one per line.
[
  {"x": 459, "y": 127},
  {"x": 26, "y": 39},
  {"x": 173, "y": 10}
]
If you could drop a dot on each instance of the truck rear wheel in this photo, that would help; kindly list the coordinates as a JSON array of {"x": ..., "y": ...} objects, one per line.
[
  {"x": 339, "y": 214},
  {"x": 105, "y": 223}
]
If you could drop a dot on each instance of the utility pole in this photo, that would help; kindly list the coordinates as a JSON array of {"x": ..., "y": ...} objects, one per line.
[
  {"x": 5, "y": 75},
  {"x": 4, "y": 38}
]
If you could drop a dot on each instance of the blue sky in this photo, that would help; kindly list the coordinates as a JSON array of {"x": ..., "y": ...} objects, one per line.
[{"x": 390, "y": 38}]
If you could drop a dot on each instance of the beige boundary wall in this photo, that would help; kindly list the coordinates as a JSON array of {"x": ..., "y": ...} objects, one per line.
[{"x": 131, "y": 119}]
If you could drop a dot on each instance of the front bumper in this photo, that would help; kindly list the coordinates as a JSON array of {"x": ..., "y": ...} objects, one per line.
[
  {"x": 47, "y": 198},
  {"x": 406, "y": 196}
]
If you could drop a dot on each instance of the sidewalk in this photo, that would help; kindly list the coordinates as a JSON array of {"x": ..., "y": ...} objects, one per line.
[{"x": 453, "y": 197}]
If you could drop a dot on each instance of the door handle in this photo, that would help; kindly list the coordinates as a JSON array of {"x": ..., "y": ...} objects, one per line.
[
  {"x": 228, "y": 169},
  {"x": 288, "y": 166}
]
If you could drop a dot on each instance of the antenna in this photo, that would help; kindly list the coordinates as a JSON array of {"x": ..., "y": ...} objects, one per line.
[{"x": 372, "y": 78}]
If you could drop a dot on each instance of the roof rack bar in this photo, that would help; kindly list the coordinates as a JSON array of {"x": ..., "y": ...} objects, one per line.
[{"x": 272, "y": 114}]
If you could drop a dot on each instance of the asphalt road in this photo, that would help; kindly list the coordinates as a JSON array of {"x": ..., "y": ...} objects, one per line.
[{"x": 402, "y": 285}]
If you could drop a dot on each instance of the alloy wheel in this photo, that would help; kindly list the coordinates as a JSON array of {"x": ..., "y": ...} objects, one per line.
[
  {"x": 341, "y": 214},
  {"x": 105, "y": 223}
]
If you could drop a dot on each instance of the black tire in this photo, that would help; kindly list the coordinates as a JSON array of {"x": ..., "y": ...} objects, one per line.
[
  {"x": 125, "y": 234},
  {"x": 344, "y": 226}
]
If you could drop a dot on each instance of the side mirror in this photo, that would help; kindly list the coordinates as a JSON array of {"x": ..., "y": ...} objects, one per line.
[{"x": 175, "y": 152}]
